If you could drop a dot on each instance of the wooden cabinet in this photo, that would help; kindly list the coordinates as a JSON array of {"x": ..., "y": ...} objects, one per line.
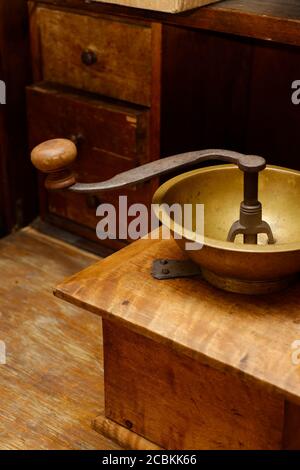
[
  {"x": 97, "y": 82},
  {"x": 103, "y": 55},
  {"x": 110, "y": 138},
  {"x": 130, "y": 86}
]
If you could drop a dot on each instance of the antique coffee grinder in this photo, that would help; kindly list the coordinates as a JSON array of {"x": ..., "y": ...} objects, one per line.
[{"x": 258, "y": 253}]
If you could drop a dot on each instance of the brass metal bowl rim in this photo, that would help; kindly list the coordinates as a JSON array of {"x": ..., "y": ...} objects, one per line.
[{"x": 159, "y": 198}]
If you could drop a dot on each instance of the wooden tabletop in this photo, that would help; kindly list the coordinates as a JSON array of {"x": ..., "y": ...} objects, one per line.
[
  {"x": 270, "y": 20},
  {"x": 251, "y": 336}
]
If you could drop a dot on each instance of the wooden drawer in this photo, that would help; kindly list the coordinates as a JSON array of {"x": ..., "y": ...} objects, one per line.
[
  {"x": 110, "y": 139},
  {"x": 105, "y": 56}
]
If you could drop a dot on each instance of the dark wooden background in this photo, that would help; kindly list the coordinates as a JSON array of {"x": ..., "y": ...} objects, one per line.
[
  {"x": 18, "y": 201},
  {"x": 224, "y": 91}
]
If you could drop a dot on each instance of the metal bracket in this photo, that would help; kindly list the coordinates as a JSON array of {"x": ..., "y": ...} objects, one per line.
[{"x": 172, "y": 268}]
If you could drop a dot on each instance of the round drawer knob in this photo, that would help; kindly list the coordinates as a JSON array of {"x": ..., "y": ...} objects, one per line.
[{"x": 88, "y": 57}]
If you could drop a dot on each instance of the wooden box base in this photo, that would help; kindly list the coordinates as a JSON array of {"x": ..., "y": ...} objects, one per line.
[
  {"x": 179, "y": 403},
  {"x": 187, "y": 366},
  {"x": 122, "y": 436}
]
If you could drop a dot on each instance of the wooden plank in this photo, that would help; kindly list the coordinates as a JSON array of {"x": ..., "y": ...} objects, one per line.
[
  {"x": 180, "y": 403},
  {"x": 171, "y": 6},
  {"x": 252, "y": 336},
  {"x": 269, "y": 20},
  {"x": 52, "y": 384}
]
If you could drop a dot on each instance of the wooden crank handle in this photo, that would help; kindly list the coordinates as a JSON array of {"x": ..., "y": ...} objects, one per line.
[{"x": 55, "y": 157}]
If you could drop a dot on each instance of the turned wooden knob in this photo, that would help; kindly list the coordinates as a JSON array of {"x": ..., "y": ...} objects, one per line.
[{"x": 55, "y": 157}]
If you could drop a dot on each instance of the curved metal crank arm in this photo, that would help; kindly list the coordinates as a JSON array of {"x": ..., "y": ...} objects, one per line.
[
  {"x": 169, "y": 164},
  {"x": 55, "y": 156}
]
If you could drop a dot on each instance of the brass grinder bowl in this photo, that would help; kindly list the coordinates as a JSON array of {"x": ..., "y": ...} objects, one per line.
[{"x": 236, "y": 267}]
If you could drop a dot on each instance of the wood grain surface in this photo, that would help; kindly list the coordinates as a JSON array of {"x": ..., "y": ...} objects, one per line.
[
  {"x": 180, "y": 403},
  {"x": 270, "y": 20},
  {"x": 125, "y": 76},
  {"x": 124, "y": 437},
  {"x": 172, "y": 6},
  {"x": 52, "y": 384},
  {"x": 110, "y": 137},
  {"x": 250, "y": 336}
]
